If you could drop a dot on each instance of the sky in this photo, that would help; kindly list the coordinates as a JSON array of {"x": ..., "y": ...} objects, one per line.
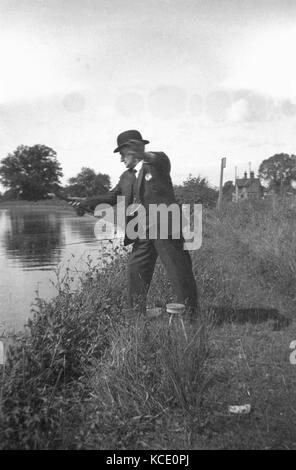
[{"x": 201, "y": 80}]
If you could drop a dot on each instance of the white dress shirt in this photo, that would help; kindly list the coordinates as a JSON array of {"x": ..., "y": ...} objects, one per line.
[{"x": 138, "y": 167}]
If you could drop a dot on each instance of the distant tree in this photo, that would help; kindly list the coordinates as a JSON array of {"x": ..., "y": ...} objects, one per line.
[
  {"x": 88, "y": 183},
  {"x": 278, "y": 172},
  {"x": 10, "y": 194},
  {"x": 30, "y": 172},
  {"x": 228, "y": 189},
  {"x": 196, "y": 190}
]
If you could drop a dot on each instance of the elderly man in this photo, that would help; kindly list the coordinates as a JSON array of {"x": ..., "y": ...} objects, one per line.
[{"x": 153, "y": 185}]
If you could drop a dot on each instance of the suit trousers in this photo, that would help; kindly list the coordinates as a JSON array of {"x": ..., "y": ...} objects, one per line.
[{"x": 177, "y": 263}]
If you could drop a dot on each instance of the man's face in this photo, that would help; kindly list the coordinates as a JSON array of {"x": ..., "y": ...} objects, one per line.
[{"x": 128, "y": 156}]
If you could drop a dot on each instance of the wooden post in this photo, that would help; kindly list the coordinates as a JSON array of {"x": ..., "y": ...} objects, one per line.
[
  {"x": 273, "y": 200},
  {"x": 1, "y": 352},
  {"x": 235, "y": 185},
  {"x": 223, "y": 165}
]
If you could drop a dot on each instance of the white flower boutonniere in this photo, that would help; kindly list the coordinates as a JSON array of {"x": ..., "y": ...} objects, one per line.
[{"x": 148, "y": 176}]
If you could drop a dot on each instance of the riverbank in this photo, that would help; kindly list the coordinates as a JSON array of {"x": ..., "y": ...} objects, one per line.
[
  {"x": 89, "y": 377},
  {"x": 41, "y": 204}
]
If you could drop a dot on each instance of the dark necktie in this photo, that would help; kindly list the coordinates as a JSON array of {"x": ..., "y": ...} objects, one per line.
[{"x": 134, "y": 183}]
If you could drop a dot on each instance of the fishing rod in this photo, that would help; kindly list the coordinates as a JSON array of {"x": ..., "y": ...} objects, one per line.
[{"x": 74, "y": 202}]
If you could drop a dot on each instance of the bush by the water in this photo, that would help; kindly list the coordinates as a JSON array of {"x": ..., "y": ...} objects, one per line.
[
  {"x": 87, "y": 375},
  {"x": 83, "y": 360}
]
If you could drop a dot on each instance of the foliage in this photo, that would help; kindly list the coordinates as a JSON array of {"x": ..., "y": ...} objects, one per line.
[
  {"x": 196, "y": 190},
  {"x": 228, "y": 189},
  {"x": 89, "y": 376},
  {"x": 30, "y": 172},
  {"x": 152, "y": 370},
  {"x": 9, "y": 195},
  {"x": 42, "y": 380},
  {"x": 88, "y": 183},
  {"x": 278, "y": 171},
  {"x": 82, "y": 354}
]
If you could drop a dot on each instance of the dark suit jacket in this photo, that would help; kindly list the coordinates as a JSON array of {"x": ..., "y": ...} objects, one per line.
[
  {"x": 125, "y": 187},
  {"x": 153, "y": 186}
]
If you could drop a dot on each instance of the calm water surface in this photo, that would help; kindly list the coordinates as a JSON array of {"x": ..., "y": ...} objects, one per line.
[{"x": 34, "y": 243}]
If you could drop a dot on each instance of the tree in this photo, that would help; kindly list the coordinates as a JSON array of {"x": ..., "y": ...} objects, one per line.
[
  {"x": 30, "y": 172},
  {"x": 228, "y": 190},
  {"x": 196, "y": 190},
  {"x": 88, "y": 183},
  {"x": 278, "y": 172}
]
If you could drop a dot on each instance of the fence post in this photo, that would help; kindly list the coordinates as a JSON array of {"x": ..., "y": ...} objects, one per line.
[{"x": 223, "y": 165}]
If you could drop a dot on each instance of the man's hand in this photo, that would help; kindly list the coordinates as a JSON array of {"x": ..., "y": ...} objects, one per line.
[
  {"x": 80, "y": 212},
  {"x": 75, "y": 201},
  {"x": 79, "y": 204}
]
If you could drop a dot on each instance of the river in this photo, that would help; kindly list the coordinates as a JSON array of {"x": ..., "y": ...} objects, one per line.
[{"x": 36, "y": 241}]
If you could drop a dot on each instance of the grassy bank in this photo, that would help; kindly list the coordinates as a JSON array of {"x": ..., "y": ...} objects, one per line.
[
  {"x": 87, "y": 376},
  {"x": 40, "y": 204}
]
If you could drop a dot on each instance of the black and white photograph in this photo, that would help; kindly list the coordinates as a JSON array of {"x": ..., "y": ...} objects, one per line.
[{"x": 147, "y": 227}]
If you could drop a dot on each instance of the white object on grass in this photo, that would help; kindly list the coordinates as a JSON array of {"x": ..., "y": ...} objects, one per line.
[
  {"x": 1, "y": 352},
  {"x": 175, "y": 308},
  {"x": 240, "y": 409},
  {"x": 293, "y": 353}
]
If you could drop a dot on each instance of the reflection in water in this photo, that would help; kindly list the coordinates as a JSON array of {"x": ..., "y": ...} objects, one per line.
[
  {"x": 82, "y": 228},
  {"x": 34, "y": 242},
  {"x": 33, "y": 238}
]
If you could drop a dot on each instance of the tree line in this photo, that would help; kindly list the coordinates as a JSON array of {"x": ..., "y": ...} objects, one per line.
[
  {"x": 276, "y": 173},
  {"x": 32, "y": 173}
]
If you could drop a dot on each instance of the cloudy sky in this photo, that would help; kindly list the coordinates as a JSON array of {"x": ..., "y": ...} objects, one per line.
[{"x": 201, "y": 79}]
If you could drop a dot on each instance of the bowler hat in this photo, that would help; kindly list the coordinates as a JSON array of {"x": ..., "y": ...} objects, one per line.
[{"x": 127, "y": 137}]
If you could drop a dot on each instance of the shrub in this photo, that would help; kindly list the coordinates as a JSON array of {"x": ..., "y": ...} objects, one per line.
[{"x": 45, "y": 367}]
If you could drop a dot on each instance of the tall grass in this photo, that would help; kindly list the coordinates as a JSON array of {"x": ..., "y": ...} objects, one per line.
[
  {"x": 86, "y": 375},
  {"x": 82, "y": 358},
  {"x": 42, "y": 378},
  {"x": 151, "y": 371},
  {"x": 248, "y": 249}
]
